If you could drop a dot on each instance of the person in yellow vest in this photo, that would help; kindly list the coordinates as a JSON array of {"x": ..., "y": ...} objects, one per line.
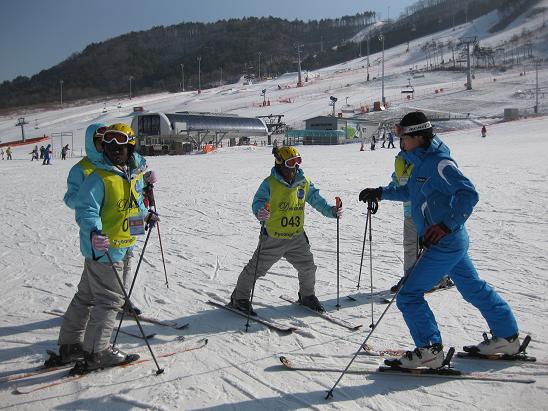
[
  {"x": 82, "y": 169},
  {"x": 286, "y": 190},
  {"x": 110, "y": 213}
]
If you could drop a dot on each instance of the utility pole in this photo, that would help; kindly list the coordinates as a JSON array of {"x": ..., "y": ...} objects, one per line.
[
  {"x": 183, "y": 77},
  {"x": 130, "y": 79},
  {"x": 199, "y": 58},
  {"x": 298, "y": 47},
  {"x": 368, "y": 38},
  {"x": 259, "y": 53},
  {"x": 61, "y": 84},
  {"x": 381, "y": 38},
  {"x": 221, "y": 82},
  {"x": 537, "y": 64}
]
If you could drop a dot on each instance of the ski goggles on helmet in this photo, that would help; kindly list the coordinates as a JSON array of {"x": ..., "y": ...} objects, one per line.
[
  {"x": 118, "y": 137},
  {"x": 99, "y": 133},
  {"x": 293, "y": 162},
  {"x": 402, "y": 131}
]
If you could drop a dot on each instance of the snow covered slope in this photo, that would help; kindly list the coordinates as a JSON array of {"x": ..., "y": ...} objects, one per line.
[{"x": 209, "y": 233}]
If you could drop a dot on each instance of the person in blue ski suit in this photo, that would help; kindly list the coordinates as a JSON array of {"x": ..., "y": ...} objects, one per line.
[
  {"x": 47, "y": 155},
  {"x": 442, "y": 199}
]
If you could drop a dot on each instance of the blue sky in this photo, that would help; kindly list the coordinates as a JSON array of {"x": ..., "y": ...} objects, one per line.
[{"x": 37, "y": 34}]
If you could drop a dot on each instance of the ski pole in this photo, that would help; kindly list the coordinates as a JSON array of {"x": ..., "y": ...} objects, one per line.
[
  {"x": 267, "y": 207},
  {"x": 338, "y": 205},
  {"x": 132, "y": 284},
  {"x": 149, "y": 189},
  {"x": 404, "y": 280},
  {"x": 372, "y": 208},
  {"x": 126, "y": 299}
]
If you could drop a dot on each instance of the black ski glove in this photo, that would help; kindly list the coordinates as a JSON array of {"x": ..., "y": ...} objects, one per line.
[{"x": 371, "y": 194}]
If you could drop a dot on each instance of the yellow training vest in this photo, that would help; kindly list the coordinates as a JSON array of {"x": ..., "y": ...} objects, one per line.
[
  {"x": 119, "y": 204},
  {"x": 286, "y": 208},
  {"x": 403, "y": 170},
  {"x": 87, "y": 166}
]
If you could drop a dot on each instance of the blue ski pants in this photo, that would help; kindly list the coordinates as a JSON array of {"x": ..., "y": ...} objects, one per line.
[{"x": 450, "y": 256}]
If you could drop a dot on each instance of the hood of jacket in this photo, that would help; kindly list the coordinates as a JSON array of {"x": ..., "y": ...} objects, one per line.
[{"x": 93, "y": 155}]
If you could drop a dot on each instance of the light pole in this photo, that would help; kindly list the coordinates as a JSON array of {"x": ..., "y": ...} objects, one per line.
[
  {"x": 368, "y": 38},
  {"x": 298, "y": 47},
  {"x": 61, "y": 84},
  {"x": 537, "y": 63},
  {"x": 259, "y": 53},
  {"x": 221, "y": 82},
  {"x": 130, "y": 79},
  {"x": 183, "y": 77},
  {"x": 199, "y": 74},
  {"x": 381, "y": 38}
]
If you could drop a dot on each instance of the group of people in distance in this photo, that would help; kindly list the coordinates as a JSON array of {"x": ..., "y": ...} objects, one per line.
[{"x": 438, "y": 200}]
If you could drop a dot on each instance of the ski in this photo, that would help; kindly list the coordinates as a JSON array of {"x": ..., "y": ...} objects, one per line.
[
  {"x": 379, "y": 294},
  {"x": 257, "y": 318},
  {"x": 35, "y": 371},
  {"x": 387, "y": 352},
  {"x": 67, "y": 377},
  {"x": 325, "y": 315},
  {"x": 448, "y": 373},
  {"x": 165, "y": 323},
  {"x": 149, "y": 336}
]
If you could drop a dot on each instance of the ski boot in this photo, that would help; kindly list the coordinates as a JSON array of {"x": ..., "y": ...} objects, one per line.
[
  {"x": 395, "y": 288},
  {"x": 312, "y": 302},
  {"x": 429, "y": 357},
  {"x": 495, "y": 345},
  {"x": 242, "y": 304},
  {"x": 445, "y": 282},
  {"x": 110, "y": 357},
  {"x": 67, "y": 353}
]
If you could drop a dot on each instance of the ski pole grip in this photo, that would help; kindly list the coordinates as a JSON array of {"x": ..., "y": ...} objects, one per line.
[{"x": 338, "y": 202}]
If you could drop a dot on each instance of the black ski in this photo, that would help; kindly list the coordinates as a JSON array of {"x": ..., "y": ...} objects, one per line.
[
  {"x": 257, "y": 318},
  {"x": 325, "y": 315},
  {"x": 303, "y": 365}
]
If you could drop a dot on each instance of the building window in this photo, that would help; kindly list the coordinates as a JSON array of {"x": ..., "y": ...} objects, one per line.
[{"x": 149, "y": 125}]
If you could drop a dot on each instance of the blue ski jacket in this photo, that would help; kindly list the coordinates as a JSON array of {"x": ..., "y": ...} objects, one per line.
[
  {"x": 314, "y": 198},
  {"x": 437, "y": 190},
  {"x": 89, "y": 202}
]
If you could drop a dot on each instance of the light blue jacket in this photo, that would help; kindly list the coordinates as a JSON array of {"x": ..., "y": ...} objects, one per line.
[
  {"x": 438, "y": 191},
  {"x": 89, "y": 202},
  {"x": 314, "y": 198},
  {"x": 76, "y": 174}
]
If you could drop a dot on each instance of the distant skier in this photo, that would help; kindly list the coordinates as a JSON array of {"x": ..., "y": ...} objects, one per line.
[
  {"x": 90, "y": 318},
  {"x": 47, "y": 154},
  {"x": 373, "y": 142},
  {"x": 64, "y": 151},
  {"x": 34, "y": 154},
  {"x": 442, "y": 199},
  {"x": 483, "y": 131},
  {"x": 391, "y": 139},
  {"x": 42, "y": 150},
  {"x": 8, "y": 153},
  {"x": 383, "y": 138},
  {"x": 287, "y": 190},
  {"x": 2, "y": 152}
]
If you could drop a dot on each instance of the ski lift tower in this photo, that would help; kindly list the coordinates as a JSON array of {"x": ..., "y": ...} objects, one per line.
[
  {"x": 21, "y": 123},
  {"x": 466, "y": 41}
]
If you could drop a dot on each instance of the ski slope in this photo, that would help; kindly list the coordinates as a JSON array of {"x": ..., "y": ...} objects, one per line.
[{"x": 208, "y": 235}]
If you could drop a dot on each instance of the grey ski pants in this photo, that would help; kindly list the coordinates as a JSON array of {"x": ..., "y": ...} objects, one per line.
[
  {"x": 410, "y": 243},
  {"x": 295, "y": 250},
  {"x": 91, "y": 315}
]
